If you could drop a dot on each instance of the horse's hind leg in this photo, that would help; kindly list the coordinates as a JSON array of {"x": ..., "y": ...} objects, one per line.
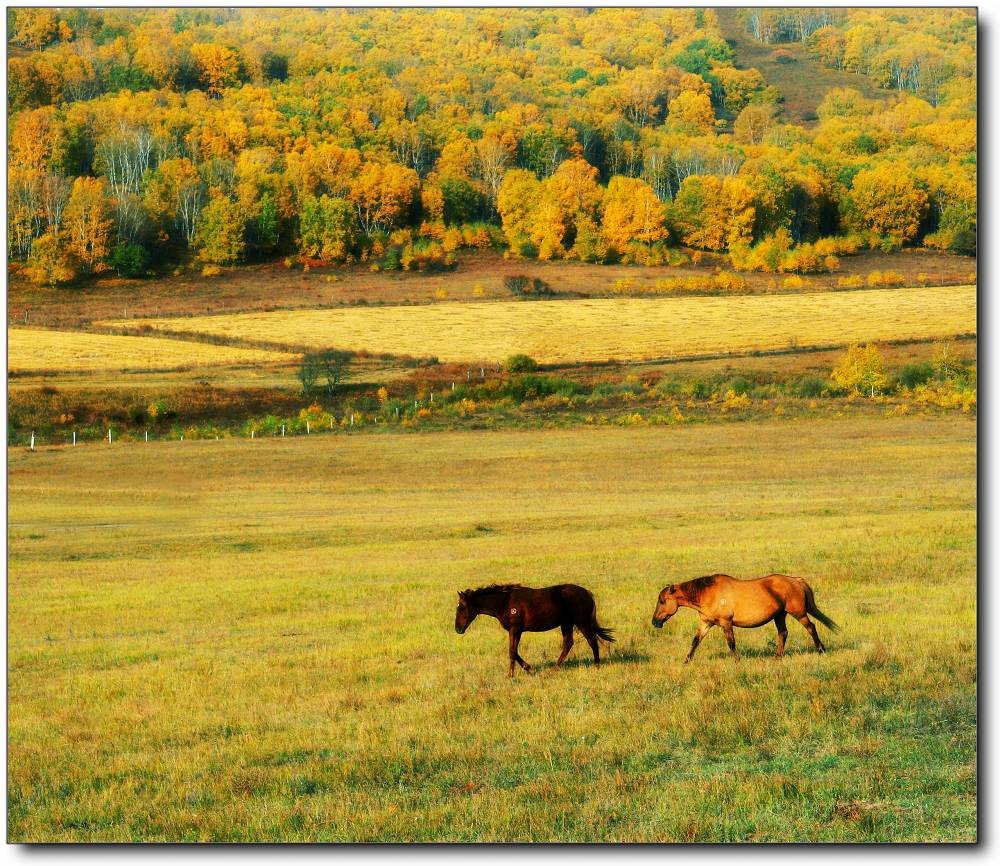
[
  {"x": 588, "y": 633},
  {"x": 567, "y": 635},
  {"x": 807, "y": 624},
  {"x": 779, "y": 624},
  {"x": 727, "y": 627}
]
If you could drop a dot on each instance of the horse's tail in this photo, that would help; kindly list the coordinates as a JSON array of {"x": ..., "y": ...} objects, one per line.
[
  {"x": 814, "y": 611},
  {"x": 605, "y": 634}
]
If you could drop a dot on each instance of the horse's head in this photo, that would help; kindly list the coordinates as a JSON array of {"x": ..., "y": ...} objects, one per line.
[
  {"x": 465, "y": 613},
  {"x": 666, "y": 605}
]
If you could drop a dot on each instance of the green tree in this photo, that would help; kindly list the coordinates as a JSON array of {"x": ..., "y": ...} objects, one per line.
[
  {"x": 221, "y": 237},
  {"x": 328, "y": 229}
]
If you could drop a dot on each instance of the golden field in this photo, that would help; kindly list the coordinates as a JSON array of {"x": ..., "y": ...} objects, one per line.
[
  {"x": 598, "y": 329},
  {"x": 247, "y": 641},
  {"x": 74, "y": 351}
]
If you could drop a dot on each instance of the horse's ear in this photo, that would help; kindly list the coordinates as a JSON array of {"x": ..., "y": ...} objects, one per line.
[{"x": 671, "y": 589}]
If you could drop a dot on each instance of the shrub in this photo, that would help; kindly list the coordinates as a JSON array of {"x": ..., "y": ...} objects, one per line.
[
  {"x": 740, "y": 386},
  {"x": 520, "y": 364},
  {"x": 534, "y": 387},
  {"x": 809, "y": 386},
  {"x": 211, "y": 271},
  {"x": 423, "y": 255},
  {"x": 878, "y": 279},
  {"x": 522, "y": 286},
  {"x": 730, "y": 282},
  {"x": 853, "y": 282},
  {"x": 915, "y": 374},
  {"x": 128, "y": 260}
]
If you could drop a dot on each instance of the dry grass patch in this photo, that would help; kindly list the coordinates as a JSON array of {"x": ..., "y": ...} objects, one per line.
[
  {"x": 37, "y": 349},
  {"x": 604, "y": 328}
]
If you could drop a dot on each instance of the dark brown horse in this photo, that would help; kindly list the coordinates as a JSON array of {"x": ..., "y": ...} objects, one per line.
[
  {"x": 521, "y": 608},
  {"x": 726, "y": 602}
]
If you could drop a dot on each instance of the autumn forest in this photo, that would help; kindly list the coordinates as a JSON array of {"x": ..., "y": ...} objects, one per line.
[{"x": 139, "y": 139}]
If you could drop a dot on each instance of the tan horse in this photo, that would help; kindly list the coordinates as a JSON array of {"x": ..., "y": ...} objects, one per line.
[{"x": 726, "y": 602}]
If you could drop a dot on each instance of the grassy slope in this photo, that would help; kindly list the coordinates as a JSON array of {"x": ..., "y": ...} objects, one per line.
[
  {"x": 254, "y": 641},
  {"x": 802, "y": 83}
]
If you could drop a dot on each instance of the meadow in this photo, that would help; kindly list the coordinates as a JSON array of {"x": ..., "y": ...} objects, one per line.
[
  {"x": 33, "y": 349},
  {"x": 598, "y": 329},
  {"x": 251, "y": 641}
]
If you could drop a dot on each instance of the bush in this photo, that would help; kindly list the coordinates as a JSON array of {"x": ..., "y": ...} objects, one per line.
[
  {"x": 128, "y": 260},
  {"x": 880, "y": 279},
  {"x": 915, "y": 374},
  {"x": 535, "y": 387},
  {"x": 520, "y": 364},
  {"x": 809, "y": 386},
  {"x": 522, "y": 286},
  {"x": 740, "y": 386}
]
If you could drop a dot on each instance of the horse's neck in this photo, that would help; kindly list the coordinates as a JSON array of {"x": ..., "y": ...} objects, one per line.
[
  {"x": 492, "y": 604},
  {"x": 686, "y": 602}
]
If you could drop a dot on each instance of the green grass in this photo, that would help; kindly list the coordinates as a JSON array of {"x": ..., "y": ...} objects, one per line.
[{"x": 254, "y": 640}]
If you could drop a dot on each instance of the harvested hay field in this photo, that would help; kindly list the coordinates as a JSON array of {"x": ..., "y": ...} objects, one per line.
[
  {"x": 38, "y": 349},
  {"x": 601, "y": 329}
]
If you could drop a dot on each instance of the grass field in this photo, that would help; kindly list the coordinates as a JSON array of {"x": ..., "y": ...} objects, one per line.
[
  {"x": 479, "y": 276},
  {"x": 247, "y": 641},
  {"x": 39, "y": 349},
  {"x": 600, "y": 329}
]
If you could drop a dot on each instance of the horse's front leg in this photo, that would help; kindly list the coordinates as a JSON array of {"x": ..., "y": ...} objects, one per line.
[
  {"x": 698, "y": 635},
  {"x": 515, "y": 639}
]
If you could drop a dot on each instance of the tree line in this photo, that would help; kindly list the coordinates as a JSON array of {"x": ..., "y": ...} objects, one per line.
[{"x": 141, "y": 137}]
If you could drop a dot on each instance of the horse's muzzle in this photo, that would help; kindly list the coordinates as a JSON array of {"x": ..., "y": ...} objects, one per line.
[
  {"x": 459, "y": 630},
  {"x": 658, "y": 623}
]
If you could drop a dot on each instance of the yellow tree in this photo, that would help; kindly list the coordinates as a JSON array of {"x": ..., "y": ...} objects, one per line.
[
  {"x": 218, "y": 66},
  {"x": 631, "y": 212},
  {"x": 87, "y": 223},
  {"x": 887, "y": 201},
  {"x": 861, "y": 370},
  {"x": 692, "y": 111},
  {"x": 712, "y": 213},
  {"x": 753, "y": 123},
  {"x": 49, "y": 263},
  {"x": 383, "y": 195},
  {"x": 517, "y": 200}
]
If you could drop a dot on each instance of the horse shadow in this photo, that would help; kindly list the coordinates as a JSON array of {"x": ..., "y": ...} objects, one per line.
[{"x": 618, "y": 657}]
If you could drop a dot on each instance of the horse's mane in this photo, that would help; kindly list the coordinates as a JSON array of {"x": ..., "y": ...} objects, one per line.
[
  {"x": 693, "y": 589},
  {"x": 492, "y": 589}
]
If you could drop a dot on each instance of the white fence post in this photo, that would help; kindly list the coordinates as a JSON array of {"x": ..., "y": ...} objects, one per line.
[
  {"x": 32, "y": 440},
  {"x": 74, "y": 437},
  {"x": 352, "y": 419},
  {"x": 282, "y": 429},
  {"x": 307, "y": 428},
  {"x": 109, "y": 435},
  {"x": 251, "y": 434},
  {"x": 147, "y": 435}
]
